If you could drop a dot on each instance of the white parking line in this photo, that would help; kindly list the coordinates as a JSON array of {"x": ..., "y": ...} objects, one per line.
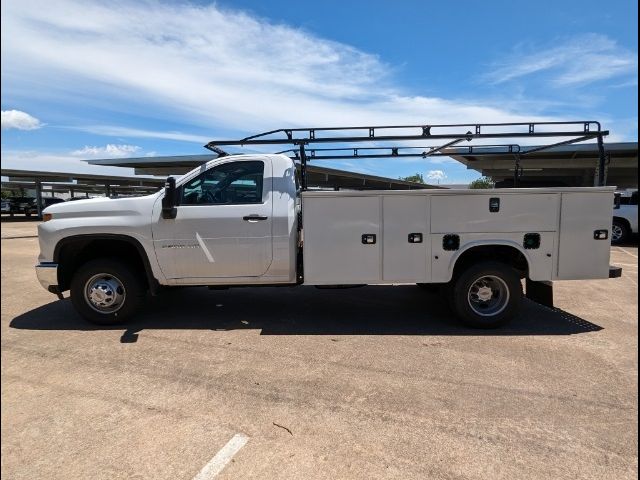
[
  {"x": 628, "y": 253},
  {"x": 224, "y": 456},
  {"x": 204, "y": 248},
  {"x": 630, "y": 278}
]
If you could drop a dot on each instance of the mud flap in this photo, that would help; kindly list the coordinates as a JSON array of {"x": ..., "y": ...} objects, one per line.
[
  {"x": 540, "y": 292},
  {"x": 615, "y": 272}
]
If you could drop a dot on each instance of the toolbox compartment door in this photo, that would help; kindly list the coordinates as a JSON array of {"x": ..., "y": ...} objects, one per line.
[
  {"x": 335, "y": 251},
  {"x": 406, "y": 243},
  {"x": 516, "y": 212},
  {"x": 580, "y": 254}
]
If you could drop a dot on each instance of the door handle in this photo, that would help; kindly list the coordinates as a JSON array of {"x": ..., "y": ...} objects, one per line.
[{"x": 254, "y": 218}]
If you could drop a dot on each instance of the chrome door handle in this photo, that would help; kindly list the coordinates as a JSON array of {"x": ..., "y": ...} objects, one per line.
[{"x": 254, "y": 218}]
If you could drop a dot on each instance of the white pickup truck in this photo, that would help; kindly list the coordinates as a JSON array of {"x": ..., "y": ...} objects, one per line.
[
  {"x": 625, "y": 217},
  {"x": 241, "y": 220}
]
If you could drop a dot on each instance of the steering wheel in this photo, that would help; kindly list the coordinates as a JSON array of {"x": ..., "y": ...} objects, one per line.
[{"x": 212, "y": 197}]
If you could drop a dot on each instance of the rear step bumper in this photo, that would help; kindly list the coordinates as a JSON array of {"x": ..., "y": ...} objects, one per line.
[{"x": 615, "y": 272}]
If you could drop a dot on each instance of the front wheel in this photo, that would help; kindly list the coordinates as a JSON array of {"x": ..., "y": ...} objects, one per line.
[
  {"x": 487, "y": 295},
  {"x": 619, "y": 232},
  {"x": 106, "y": 291}
]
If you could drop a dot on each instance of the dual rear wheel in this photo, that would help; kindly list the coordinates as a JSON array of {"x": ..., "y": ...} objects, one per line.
[{"x": 485, "y": 295}]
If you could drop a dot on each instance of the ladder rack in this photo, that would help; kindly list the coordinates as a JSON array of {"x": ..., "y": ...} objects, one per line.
[{"x": 447, "y": 136}]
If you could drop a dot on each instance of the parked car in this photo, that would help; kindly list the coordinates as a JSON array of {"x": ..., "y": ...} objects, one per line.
[
  {"x": 32, "y": 208},
  {"x": 625, "y": 216},
  {"x": 6, "y": 206},
  {"x": 20, "y": 204}
]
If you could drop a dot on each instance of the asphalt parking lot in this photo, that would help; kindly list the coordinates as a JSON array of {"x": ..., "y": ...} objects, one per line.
[{"x": 374, "y": 382}]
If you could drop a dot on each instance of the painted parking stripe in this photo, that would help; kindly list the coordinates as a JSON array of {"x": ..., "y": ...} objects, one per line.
[
  {"x": 204, "y": 248},
  {"x": 222, "y": 458},
  {"x": 628, "y": 253},
  {"x": 630, "y": 278}
]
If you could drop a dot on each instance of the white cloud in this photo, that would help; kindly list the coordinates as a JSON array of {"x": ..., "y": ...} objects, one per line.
[
  {"x": 108, "y": 151},
  {"x": 205, "y": 66},
  {"x": 19, "y": 120},
  {"x": 115, "y": 131},
  {"x": 436, "y": 175},
  {"x": 577, "y": 61}
]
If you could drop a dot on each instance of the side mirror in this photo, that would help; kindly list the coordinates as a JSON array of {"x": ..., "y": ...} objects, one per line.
[
  {"x": 170, "y": 199},
  {"x": 616, "y": 200}
]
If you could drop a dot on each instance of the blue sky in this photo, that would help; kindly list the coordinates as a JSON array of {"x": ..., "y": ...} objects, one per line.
[{"x": 113, "y": 79}]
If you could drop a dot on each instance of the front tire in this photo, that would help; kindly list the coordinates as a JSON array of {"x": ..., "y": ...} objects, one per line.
[
  {"x": 105, "y": 291},
  {"x": 619, "y": 232},
  {"x": 487, "y": 295}
]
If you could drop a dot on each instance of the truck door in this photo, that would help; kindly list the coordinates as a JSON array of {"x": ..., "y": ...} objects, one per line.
[{"x": 222, "y": 228}]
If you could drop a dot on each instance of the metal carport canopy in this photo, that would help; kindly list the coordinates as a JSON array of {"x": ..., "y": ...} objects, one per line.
[
  {"x": 81, "y": 182},
  {"x": 40, "y": 176},
  {"x": 574, "y": 165},
  {"x": 318, "y": 176}
]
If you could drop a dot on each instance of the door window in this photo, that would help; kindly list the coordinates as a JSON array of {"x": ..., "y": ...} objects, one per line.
[{"x": 233, "y": 183}]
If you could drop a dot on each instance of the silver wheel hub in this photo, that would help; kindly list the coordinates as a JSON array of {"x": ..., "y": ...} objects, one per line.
[
  {"x": 105, "y": 293},
  {"x": 616, "y": 232},
  {"x": 488, "y": 296},
  {"x": 485, "y": 294}
]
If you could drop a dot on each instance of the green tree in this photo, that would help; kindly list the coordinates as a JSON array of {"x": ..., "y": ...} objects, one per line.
[
  {"x": 482, "y": 182},
  {"x": 417, "y": 178}
]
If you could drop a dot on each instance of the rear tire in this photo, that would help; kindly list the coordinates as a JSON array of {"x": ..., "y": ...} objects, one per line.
[
  {"x": 619, "y": 232},
  {"x": 486, "y": 295},
  {"x": 105, "y": 291}
]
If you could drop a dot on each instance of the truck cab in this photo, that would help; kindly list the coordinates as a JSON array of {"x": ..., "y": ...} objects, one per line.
[{"x": 233, "y": 222}]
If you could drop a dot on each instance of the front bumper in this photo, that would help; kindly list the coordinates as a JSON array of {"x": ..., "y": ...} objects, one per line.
[{"x": 47, "y": 274}]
